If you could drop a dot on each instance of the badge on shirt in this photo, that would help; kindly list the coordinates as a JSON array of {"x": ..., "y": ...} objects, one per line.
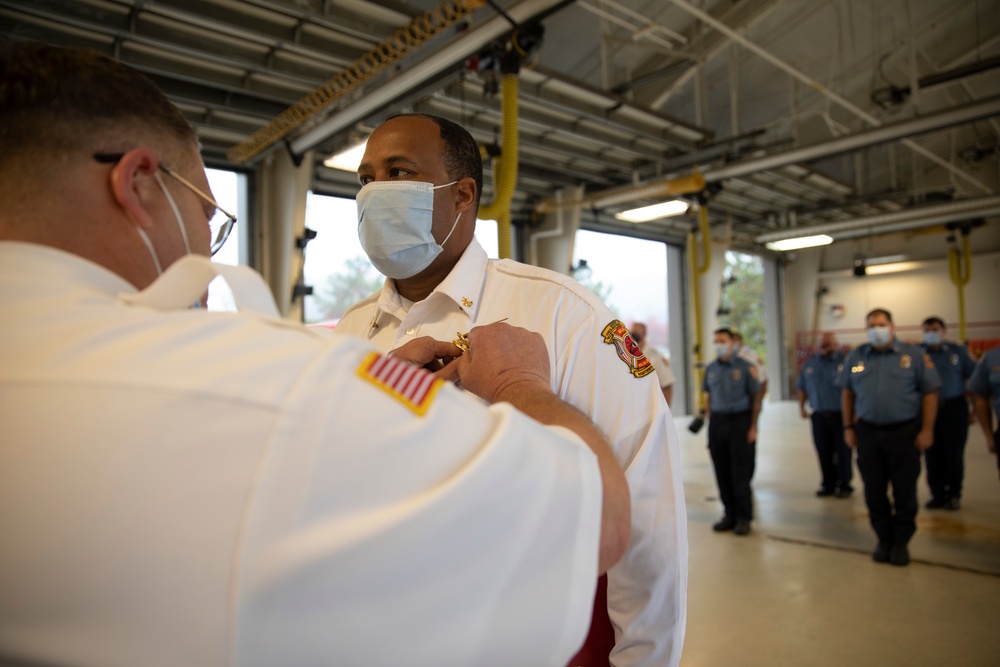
[
  {"x": 860, "y": 368},
  {"x": 927, "y": 361},
  {"x": 737, "y": 374},
  {"x": 412, "y": 386},
  {"x": 953, "y": 359},
  {"x": 904, "y": 361},
  {"x": 616, "y": 333}
]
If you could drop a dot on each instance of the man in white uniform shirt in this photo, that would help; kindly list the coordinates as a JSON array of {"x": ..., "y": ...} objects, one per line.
[
  {"x": 422, "y": 178},
  {"x": 660, "y": 362},
  {"x": 180, "y": 487}
]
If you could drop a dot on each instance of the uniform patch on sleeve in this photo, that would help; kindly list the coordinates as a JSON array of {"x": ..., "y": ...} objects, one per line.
[
  {"x": 754, "y": 373},
  {"x": 412, "y": 386},
  {"x": 616, "y": 333}
]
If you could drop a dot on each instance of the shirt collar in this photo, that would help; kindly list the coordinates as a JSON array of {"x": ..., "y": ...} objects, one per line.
[
  {"x": 463, "y": 285},
  {"x": 36, "y": 259}
]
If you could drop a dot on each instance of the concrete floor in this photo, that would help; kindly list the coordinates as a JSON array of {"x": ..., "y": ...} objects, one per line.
[{"x": 802, "y": 590}]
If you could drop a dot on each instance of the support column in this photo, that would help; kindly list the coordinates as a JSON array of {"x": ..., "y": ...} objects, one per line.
[
  {"x": 283, "y": 191},
  {"x": 550, "y": 246}
]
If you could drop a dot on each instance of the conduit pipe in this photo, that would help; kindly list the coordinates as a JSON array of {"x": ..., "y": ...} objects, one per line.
[
  {"x": 960, "y": 269},
  {"x": 505, "y": 167},
  {"x": 390, "y": 51},
  {"x": 411, "y": 77},
  {"x": 913, "y": 218},
  {"x": 689, "y": 184},
  {"x": 821, "y": 89},
  {"x": 698, "y": 269}
]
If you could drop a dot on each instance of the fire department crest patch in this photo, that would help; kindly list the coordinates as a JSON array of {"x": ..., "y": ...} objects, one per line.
[{"x": 616, "y": 333}]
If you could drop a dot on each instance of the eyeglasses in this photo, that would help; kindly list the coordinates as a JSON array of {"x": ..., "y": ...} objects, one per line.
[{"x": 221, "y": 221}]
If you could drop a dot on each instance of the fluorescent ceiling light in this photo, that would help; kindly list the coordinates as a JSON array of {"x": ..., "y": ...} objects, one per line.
[
  {"x": 893, "y": 267},
  {"x": 349, "y": 159},
  {"x": 647, "y": 213},
  {"x": 886, "y": 259},
  {"x": 800, "y": 242}
]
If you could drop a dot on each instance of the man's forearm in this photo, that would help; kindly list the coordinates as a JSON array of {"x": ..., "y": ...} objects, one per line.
[
  {"x": 929, "y": 410},
  {"x": 985, "y": 416}
]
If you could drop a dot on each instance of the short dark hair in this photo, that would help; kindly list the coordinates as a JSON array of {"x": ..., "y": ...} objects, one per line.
[
  {"x": 934, "y": 319},
  {"x": 461, "y": 157},
  {"x": 879, "y": 311},
  {"x": 60, "y": 100},
  {"x": 725, "y": 330}
]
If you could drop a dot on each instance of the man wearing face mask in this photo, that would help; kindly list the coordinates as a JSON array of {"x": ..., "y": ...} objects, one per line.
[
  {"x": 946, "y": 459},
  {"x": 422, "y": 178},
  {"x": 182, "y": 487},
  {"x": 889, "y": 403},
  {"x": 818, "y": 383},
  {"x": 732, "y": 396}
]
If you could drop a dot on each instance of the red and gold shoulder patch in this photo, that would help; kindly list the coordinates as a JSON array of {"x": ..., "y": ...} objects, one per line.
[
  {"x": 754, "y": 373},
  {"x": 616, "y": 333},
  {"x": 412, "y": 386}
]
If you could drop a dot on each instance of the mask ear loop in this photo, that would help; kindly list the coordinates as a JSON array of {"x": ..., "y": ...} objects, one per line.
[
  {"x": 177, "y": 213},
  {"x": 452, "y": 230},
  {"x": 152, "y": 251}
]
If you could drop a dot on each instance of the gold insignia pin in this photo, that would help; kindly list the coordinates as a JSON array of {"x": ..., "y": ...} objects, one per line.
[
  {"x": 462, "y": 342},
  {"x": 467, "y": 302}
]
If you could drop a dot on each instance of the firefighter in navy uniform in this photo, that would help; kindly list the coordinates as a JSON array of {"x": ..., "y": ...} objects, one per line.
[
  {"x": 889, "y": 402},
  {"x": 732, "y": 397},
  {"x": 985, "y": 387},
  {"x": 946, "y": 459}
]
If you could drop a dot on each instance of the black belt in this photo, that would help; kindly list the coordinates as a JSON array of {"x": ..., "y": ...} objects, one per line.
[
  {"x": 888, "y": 427},
  {"x": 730, "y": 415}
]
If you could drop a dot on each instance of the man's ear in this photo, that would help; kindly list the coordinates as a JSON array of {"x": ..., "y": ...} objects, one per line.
[
  {"x": 133, "y": 184},
  {"x": 465, "y": 194}
]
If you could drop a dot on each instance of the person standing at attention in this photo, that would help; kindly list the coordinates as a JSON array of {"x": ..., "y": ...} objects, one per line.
[
  {"x": 664, "y": 373},
  {"x": 889, "y": 402},
  {"x": 732, "y": 399},
  {"x": 817, "y": 383},
  {"x": 946, "y": 459}
]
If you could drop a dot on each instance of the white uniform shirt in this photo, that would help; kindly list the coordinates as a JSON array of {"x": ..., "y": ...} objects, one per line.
[
  {"x": 647, "y": 589},
  {"x": 193, "y": 488},
  {"x": 747, "y": 352},
  {"x": 663, "y": 370}
]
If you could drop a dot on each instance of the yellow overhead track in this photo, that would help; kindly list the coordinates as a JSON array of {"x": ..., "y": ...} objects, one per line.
[
  {"x": 402, "y": 42},
  {"x": 689, "y": 184}
]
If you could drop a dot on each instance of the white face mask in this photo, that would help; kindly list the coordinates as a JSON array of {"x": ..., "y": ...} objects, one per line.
[
  {"x": 180, "y": 225},
  {"x": 395, "y": 221},
  {"x": 722, "y": 349},
  {"x": 879, "y": 336},
  {"x": 932, "y": 337}
]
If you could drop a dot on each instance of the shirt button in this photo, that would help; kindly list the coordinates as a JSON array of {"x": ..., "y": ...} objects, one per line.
[{"x": 411, "y": 331}]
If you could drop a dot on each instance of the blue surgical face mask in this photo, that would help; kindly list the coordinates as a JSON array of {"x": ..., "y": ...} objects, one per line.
[
  {"x": 722, "y": 349},
  {"x": 395, "y": 221},
  {"x": 932, "y": 337},
  {"x": 879, "y": 336}
]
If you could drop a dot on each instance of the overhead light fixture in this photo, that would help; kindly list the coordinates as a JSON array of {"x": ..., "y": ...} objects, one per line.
[
  {"x": 348, "y": 159},
  {"x": 800, "y": 242},
  {"x": 654, "y": 212},
  {"x": 885, "y": 259},
  {"x": 893, "y": 267}
]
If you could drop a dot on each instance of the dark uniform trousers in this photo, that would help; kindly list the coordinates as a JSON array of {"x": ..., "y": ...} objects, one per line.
[
  {"x": 946, "y": 458},
  {"x": 731, "y": 458},
  {"x": 888, "y": 455},
  {"x": 833, "y": 453}
]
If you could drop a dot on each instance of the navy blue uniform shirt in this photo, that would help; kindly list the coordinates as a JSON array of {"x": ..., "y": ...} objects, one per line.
[
  {"x": 731, "y": 385},
  {"x": 889, "y": 385},
  {"x": 954, "y": 365},
  {"x": 986, "y": 378},
  {"x": 818, "y": 380}
]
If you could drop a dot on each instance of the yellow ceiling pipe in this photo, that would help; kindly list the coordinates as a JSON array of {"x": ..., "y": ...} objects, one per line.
[
  {"x": 960, "y": 269},
  {"x": 402, "y": 42},
  {"x": 504, "y": 168},
  {"x": 698, "y": 269}
]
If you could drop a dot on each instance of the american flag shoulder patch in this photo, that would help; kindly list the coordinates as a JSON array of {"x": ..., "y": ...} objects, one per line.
[{"x": 412, "y": 386}]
